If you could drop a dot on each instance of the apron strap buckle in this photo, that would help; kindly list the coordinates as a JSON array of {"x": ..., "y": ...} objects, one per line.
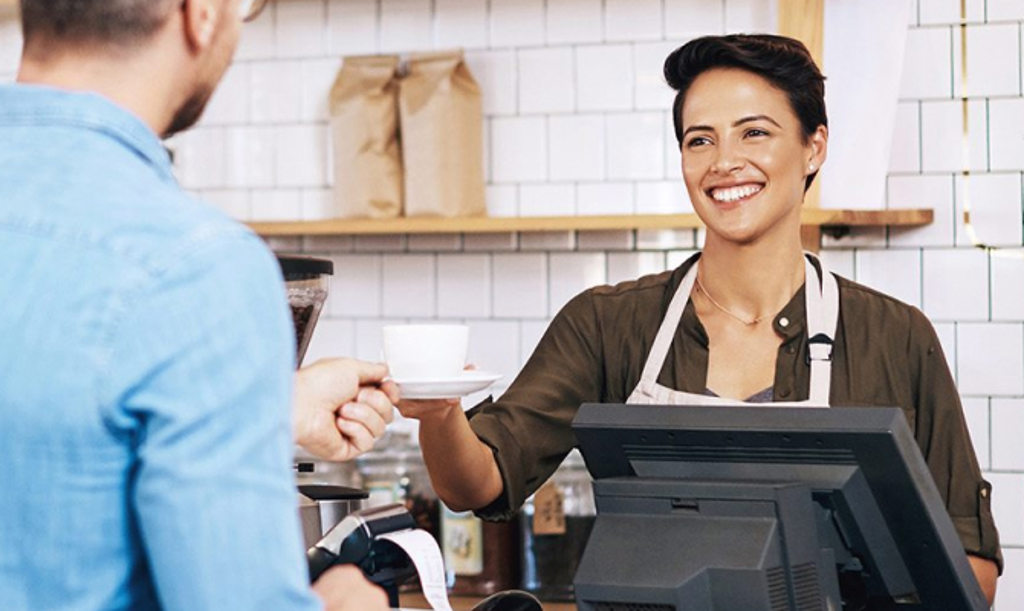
[{"x": 819, "y": 348}]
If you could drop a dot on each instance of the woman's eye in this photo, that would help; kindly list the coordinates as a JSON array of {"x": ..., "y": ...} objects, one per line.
[
  {"x": 697, "y": 142},
  {"x": 755, "y": 132}
]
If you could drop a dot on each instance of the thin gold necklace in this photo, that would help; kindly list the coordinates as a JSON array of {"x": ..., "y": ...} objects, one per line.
[{"x": 749, "y": 323}]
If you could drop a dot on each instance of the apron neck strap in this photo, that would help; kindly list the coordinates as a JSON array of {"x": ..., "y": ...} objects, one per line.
[{"x": 821, "y": 297}]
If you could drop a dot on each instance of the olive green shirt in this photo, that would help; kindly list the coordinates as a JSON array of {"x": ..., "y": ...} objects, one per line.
[{"x": 885, "y": 354}]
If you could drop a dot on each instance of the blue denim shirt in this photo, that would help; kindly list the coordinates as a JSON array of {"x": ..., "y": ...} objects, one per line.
[{"x": 146, "y": 357}]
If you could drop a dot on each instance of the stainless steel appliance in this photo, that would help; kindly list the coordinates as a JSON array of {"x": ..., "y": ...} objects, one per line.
[{"x": 322, "y": 506}]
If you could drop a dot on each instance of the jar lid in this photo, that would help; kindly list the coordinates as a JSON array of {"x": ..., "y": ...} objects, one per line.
[{"x": 301, "y": 267}]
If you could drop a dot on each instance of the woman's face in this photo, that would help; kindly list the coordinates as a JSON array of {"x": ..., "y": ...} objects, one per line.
[{"x": 744, "y": 156}]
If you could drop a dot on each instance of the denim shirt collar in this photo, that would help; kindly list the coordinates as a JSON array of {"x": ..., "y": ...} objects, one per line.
[{"x": 25, "y": 105}]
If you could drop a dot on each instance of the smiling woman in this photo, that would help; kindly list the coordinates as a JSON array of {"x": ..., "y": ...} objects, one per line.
[{"x": 751, "y": 319}]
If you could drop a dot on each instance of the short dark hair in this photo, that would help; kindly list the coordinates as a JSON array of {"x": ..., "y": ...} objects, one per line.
[
  {"x": 783, "y": 62},
  {"x": 93, "y": 21}
]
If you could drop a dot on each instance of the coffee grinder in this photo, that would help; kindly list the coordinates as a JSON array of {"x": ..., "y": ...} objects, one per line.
[{"x": 322, "y": 502}]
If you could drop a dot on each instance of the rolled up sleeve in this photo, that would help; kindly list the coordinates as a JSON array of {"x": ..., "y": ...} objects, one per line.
[
  {"x": 945, "y": 442},
  {"x": 529, "y": 428}
]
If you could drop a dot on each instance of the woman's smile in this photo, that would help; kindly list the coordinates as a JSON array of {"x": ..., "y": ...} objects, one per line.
[{"x": 733, "y": 195}]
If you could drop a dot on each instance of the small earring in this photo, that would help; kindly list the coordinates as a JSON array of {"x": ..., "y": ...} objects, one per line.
[{"x": 811, "y": 167}]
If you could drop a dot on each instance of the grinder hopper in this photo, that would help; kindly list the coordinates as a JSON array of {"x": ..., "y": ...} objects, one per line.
[{"x": 305, "y": 279}]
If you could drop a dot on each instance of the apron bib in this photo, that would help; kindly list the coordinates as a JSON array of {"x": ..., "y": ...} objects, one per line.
[{"x": 822, "y": 304}]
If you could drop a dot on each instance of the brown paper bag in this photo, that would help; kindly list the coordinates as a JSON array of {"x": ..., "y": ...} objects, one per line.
[
  {"x": 364, "y": 134},
  {"x": 442, "y": 137}
]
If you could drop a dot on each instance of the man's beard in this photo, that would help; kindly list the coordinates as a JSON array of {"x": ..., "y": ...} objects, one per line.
[{"x": 189, "y": 112}]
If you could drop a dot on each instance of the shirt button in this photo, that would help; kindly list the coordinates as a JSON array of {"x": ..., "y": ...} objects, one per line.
[
  {"x": 783, "y": 322},
  {"x": 790, "y": 349},
  {"x": 784, "y": 393}
]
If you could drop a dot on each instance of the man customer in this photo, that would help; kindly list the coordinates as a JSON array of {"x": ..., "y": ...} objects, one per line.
[{"x": 147, "y": 350}]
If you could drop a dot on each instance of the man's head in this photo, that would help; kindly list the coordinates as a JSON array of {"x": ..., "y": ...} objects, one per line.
[
  {"x": 94, "y": 22},
  {"x": 188, "y": 42}
]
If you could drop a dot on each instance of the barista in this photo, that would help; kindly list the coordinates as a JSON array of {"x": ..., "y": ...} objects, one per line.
[{"x": 730, "y": 324}]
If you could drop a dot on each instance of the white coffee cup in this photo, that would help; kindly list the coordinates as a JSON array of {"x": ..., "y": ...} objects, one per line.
[{"x": 425, "y": 352}]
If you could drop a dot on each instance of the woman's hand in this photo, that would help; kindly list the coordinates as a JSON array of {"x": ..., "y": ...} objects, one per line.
[
  {"x": 431, "y": 409},
  {"x": 428, "y": 409},
  {"x": 342, "y": 406}
]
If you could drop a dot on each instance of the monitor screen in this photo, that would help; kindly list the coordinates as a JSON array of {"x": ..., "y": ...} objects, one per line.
[{"x": 752, "y": 508}]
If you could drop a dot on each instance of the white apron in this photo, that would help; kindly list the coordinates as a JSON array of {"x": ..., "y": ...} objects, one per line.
[{"x": 822, "y": 300}]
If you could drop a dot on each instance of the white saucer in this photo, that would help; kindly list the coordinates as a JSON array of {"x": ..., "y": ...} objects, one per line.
[{"x": 467, "y": 382}]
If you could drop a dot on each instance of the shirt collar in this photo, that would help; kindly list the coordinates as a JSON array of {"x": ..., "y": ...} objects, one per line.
[{"x": 29, "y": 105}]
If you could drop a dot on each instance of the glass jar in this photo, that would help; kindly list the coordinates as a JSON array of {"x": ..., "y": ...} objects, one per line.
[
  {"x": 480, "y": 557},
  {"x": 306, "y": 282},
  {"x": 394, "y": 473},
  {"x": 555, "y": 526}
]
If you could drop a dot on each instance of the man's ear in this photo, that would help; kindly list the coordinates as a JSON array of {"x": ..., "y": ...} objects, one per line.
[{"x": 200, "y": 20}]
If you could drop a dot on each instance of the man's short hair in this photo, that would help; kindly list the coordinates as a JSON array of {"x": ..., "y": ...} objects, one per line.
[{"x": 93, "y": 21}]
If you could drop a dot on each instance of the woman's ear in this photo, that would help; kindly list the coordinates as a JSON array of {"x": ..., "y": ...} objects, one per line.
[
  {"x": 200, "y": 19},
  {"x": 818, "y": 149}
]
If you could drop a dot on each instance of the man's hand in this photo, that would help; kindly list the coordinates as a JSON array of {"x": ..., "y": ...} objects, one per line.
[
  {"x": 341, "y": 407},
  {"x": 343, "y": 588}
]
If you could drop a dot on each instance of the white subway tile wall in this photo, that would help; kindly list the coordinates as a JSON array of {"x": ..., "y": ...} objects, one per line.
[
  {"x": 894, "y": 272},
  {"x": 923, "y": 191},
  {"x": 928, "y": 53},
  {"x": 464, "y": 286},
  {"x": 632, "y": 20},
  {"x": 994, "y": 206},
  {"x": 576, "y": 147},
  {"x": 613, "y": 239},
  {"x": 546, "y": 80},
  {"x": 993, "y": 65},
  {"x": 942, "y": 136},
  {"x": 520, "y": 287},
  {"x": 905, "y": 155},
  {"x": 979, "y": 422},
  {"x": 955, "y": 284},
  {"x": 579, "y": 123},
  {"x": 461, "y": 23},
  {"x": 601, "y": 71},
  {"x": 553, "y": 199},
  {"x": 571, "y": 274},
  {"x": 1007, "y": 429},
  {"x": 409, "y": 286},
  {"x": 10, "y": 48},
  {"x": 691, "y": 18},
  {"x": 574, "y": 21},
  {"x": 990, "y": 358}
]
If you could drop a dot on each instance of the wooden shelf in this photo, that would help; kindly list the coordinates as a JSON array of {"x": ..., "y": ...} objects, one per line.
[{"x": 828, "y": 219}]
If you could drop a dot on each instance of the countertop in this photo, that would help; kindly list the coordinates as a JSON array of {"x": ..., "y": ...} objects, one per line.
[{"x": 415, "y": 600}]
